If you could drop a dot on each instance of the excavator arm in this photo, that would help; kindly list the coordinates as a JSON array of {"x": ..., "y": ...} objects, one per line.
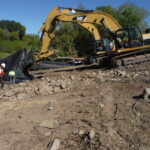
[{"x": 86, "y": 19}]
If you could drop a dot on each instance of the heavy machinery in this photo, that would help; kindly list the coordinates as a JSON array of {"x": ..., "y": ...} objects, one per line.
[
  {"x": 124, "y": 46},
  {"x": 146, "y": 36}
]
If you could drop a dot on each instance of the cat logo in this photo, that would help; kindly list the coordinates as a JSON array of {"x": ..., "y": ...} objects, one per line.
[{"x": 80, "y": 18}]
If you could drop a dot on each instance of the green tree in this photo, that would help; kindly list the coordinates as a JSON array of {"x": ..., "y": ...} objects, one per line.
[
  {"x": 110, "y": 10},
  {"x": 128, "y": 14},
  {"x": 132, "y": 15},
  {"x": 14, "y": 36},
  {"x": 2, "y": 34},
  {"x": 7, "y": 34},
  {"x": 11, "y": 46},
  {"x": 31, "y": 41},
  {"x": 84, "y": 41},
  {"x": 64, "y": 39},
  {"x": 13, "y": 26}
]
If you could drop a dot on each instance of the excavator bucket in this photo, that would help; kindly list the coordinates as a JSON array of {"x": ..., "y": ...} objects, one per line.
[
  {"x": 39, "y": 56},
  {"x": 20, "y": 62}
]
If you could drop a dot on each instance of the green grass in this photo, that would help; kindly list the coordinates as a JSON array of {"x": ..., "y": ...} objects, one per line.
[{"x": 3, "y": 55}]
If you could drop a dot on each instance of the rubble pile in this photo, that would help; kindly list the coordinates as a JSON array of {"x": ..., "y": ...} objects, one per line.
[
  {"x": 30, "y": 89},
  {"x": 48, "y": 86}
]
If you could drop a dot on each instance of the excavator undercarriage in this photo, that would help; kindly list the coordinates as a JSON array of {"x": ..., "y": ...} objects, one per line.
[{"x": 123, "y": 59}]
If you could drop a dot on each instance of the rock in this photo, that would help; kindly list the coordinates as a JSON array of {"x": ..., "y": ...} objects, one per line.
[
  {"x": 121, "y": 73},
  {"x": 55, "y": 145},
  {"x": 49, "y": 124},
  {"x": 101, "y": 105},
  {"x": 115, "y": 80},
  {"x": 135, "y": 75},
  {"x": 128, "y": 76},
  {"x": 146, "y": 72},
  {"x": 50, "y": 93},
  {"x": 43, "y": 78},
  {"x": 50, "y": 108},
  {"x": 81, "y": 132},
  {"x": 58, "y": 84},
  {"x": 101, "y": 78},
  {"x": 94, "y": 73},
  {"x": 112, "y": 73},
  {"x": 56, "y": 89},
  {"x": 72, "y": 77},
  {"x": 63, "y": 86},
  {"x": 91, "y": 134},
  {"x": 100, "y": 73},
  {"x": 1, "y": 96},
  {"x": 48, "y": 133},
  {"x": 36, "y": 90},
  {"x": 146, "y": 93}
]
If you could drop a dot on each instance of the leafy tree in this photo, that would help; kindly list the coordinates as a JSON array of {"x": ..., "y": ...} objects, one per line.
[
  {"x": 32, "y": 41},
  {"x": 64, "y": 39},
  {"x": 110, "y": 10},
  {"x": 132, "y": 15},
  {"x": 11, "y": 46},
  {"x": 7, "y": 34},
  {"x": 13, "y": 26},
  {"x": 2, "y": 34},
  {"x": 73, "y": 40},
  {"x": 84, "y": 42},
  {"x": 128, "y": 14},
  {"x": 14, "y": 36}
]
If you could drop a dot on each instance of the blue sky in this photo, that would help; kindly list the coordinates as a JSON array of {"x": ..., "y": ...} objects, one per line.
[{"x": 32, "y": 13}]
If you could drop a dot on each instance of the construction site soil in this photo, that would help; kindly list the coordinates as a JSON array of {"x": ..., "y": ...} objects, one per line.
[{"x": 83, "y": 107}]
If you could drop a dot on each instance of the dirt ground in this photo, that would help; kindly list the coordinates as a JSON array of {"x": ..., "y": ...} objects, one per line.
[{"x": 86, "y": 108}]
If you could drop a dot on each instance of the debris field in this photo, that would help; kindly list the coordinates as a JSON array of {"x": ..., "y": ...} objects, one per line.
[{"x": 78, "y": 108}]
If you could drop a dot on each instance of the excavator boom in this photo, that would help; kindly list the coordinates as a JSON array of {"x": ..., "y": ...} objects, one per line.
[{"x": 86, "y": 19}]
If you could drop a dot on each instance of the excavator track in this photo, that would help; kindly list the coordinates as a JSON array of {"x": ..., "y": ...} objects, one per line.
[
  {"x": 136, "y": 59},
  {"x": 132, "y": 58},
  {"x": 123, "y": 59}
]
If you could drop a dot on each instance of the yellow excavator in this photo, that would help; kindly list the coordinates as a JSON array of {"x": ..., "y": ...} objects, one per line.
[{"x": 124, "y": 46}]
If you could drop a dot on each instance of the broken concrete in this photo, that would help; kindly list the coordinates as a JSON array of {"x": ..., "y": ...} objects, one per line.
[{"x": 55, "y": 145}]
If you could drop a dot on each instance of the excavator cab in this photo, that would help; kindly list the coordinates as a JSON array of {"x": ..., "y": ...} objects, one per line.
[
  {"x": 128, "y": 37},
  {"x": 103, "y": 45}
]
